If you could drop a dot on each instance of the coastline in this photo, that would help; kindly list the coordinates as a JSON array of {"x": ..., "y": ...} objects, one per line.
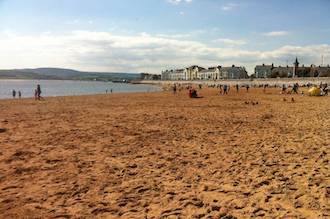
[
  {"x": 51, "y": 88},
  {"x": 158, "y": 155}
]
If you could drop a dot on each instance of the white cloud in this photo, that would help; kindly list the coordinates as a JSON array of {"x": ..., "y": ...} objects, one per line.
[
  {"x": 231, "y": 42},
  {"x": 174, "y": 36},
  {"x": 229, "y": 6},
  {"x": 276, "y": 33},
  {"x": 175, "y": 2},
  {"x": 8, "y": 33},
  {"x": 104, "y": 51}
]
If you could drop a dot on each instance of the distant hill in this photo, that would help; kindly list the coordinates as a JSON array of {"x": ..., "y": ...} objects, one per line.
[{"x": 65, "y": 74}]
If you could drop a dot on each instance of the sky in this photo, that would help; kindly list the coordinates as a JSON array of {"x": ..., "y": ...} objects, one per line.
[{"x": 155, "y": 35}]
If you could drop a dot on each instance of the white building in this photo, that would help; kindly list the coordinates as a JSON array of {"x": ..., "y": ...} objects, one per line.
[{"x": 198, "y": 73}]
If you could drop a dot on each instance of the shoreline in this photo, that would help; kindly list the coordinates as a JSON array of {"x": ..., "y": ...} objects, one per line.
[
  {"x": 81, "y": 95},
  {"x": 53, "y": 88}
]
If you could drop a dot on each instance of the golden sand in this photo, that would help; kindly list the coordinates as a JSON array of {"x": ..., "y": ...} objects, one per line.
[{"x": 157, "y": 155}]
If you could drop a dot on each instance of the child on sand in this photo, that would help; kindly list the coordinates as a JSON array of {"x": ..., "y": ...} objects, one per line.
[
  {"x": 193, "y": 93},
  {"x": 283, "y": 89}
]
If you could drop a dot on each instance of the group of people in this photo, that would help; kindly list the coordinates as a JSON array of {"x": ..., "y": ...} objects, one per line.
[
  {"x": 37, "y": 93},
  {"x": 224, "y": 89},
  {"x": 106, "y": 91},
  {"x": 294, "y": 89},
  {"x": 193, "y": 93},
  {"x": 19, "y": 93}
]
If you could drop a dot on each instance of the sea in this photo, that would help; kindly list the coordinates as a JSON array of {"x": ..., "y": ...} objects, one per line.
[{"x": 53, "y": 88}]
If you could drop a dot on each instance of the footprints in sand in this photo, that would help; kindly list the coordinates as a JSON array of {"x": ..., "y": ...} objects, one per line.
[
  {"x": 20, "y": 155},
  {"x": 169, "y": 159},
  {"x": 253, "y": 103}
]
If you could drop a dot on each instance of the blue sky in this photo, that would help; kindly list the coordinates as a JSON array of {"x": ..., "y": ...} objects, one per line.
[{"x": 153, "y": 35}]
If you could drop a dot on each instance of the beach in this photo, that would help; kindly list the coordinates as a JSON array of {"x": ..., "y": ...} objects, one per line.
[{"x": 160, "y": 155}]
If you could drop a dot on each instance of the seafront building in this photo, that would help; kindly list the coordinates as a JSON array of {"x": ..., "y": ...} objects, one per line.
[
  {"x": 199, "y": 73},
  {"x": 237, "y": 72},
  {"x": 270, "y": 71}
]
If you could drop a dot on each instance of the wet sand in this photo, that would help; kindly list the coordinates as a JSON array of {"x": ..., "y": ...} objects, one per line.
[{"x": 156, "y": 155}]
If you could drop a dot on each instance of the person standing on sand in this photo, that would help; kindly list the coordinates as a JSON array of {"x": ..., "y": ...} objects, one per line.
[
  {"x": 295, "y": 88},
  {"x": 283, "y": 89},
  {"x": 14, "y": 94},
  {"x": 265, "y": 86},
  {"x": 38, "y": 92},
  {"x": 221, "y": 90},
  {"x": 225, "y": 89},
  {"x": 237, "y": 88},
  {"x": 247, "y": 88},
  {"x": 19, "y": 94}
]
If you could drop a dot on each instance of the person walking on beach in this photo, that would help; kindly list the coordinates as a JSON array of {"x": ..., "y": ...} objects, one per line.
[
  {"x": 19, "y": 94},
  {"x": 221, "y": 90},
  {"x": 295, "y": 88},
  {"x": 283, "y": 89},
  {"x": 225, "y": 89},
  {"x": 247, "y": 88},
  {"x": 326, "y": 90},
  {"x": 14, "y": 93},
  {"x": 265, "y": 86},
  {"x": 237, "y": 88},
  {"x": 38, "y": 92}
]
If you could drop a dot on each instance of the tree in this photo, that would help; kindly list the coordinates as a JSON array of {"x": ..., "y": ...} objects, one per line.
[{"x": 275, "y": 74}]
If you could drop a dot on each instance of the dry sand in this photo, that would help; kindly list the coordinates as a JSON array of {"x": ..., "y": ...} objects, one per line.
[{"x": 157, "y": 155}]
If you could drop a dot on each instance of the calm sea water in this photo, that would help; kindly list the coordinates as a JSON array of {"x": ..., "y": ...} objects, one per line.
[{"x": 68, "y": 88}]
